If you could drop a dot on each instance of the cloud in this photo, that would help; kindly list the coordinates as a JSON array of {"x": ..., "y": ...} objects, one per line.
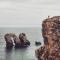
[{"x": 26, "y": 12}]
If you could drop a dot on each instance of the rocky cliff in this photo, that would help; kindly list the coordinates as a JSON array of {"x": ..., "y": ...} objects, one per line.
[{"x": 51, "y": 35}]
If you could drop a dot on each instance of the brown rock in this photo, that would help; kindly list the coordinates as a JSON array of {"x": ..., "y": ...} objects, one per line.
[
  {"x": 51, "y": 35},
  {"x": 17, "y": 41},
  {"x": 23, "y": 39},
  {"x": 9, "y": 37}
]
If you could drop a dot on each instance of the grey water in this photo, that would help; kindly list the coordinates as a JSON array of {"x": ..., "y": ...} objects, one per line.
[{"x": 33, "y": 34}]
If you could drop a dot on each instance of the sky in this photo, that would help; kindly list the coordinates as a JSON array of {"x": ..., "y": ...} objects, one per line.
[{"x": 27, "y": 13}]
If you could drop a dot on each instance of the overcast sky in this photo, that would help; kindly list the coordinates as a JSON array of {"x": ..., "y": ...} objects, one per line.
[{"x": 27, "y": 13}]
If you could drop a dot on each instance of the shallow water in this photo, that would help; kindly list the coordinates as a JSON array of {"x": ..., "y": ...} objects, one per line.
[{"x": 20, "y": 54}]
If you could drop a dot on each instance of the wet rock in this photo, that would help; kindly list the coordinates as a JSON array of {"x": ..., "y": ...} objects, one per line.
[
  {"x": 37, "y": 43},
  {"x": 23, "y": 40},
  {"x": 51, "y": 34},
  {"x": 8, "y": 38},
  {"x": 17, "y": 41},
  {"x": 12, "y": 40}
]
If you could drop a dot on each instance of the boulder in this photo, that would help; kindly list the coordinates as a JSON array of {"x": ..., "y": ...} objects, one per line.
[
  {"x": 37, "y": 43},
  {"x": 51, "y": 34}
]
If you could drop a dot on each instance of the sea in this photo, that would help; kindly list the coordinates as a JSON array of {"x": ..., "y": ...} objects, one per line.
[{"x": 33, "y": 34}]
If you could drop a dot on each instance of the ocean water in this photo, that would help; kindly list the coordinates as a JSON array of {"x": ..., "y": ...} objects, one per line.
[{"x": 33, "y": 34}]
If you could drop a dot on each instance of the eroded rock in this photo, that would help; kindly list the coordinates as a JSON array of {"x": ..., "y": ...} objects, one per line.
[
  {"x": 23, "y": 40},
  {"x": 12, "y": 40},
  {"x": 51, "y": 35}
]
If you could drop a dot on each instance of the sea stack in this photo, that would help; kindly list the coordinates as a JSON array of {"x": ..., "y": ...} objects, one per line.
[
  {"x": 9, "y": 39},
  {"x": 23, "y": 39},
  {"x": 51, "y": 34},
  {"x": 19, "y": 42}
]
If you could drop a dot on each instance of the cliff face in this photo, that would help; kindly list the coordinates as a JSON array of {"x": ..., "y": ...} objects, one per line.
[{"x": 51, "y": 35}]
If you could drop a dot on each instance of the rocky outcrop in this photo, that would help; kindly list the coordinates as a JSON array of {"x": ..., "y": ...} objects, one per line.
[
  {"x": 9, "y": 39},
  {"x": 12, "y": 40},
  {"x": 17, "y": 41},
  {"x": 51, "y": 35},
  {"x": 23, "y": 40}
]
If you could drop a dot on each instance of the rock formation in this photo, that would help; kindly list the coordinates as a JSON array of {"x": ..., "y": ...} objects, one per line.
[
  {"x": 23, "y": 40},
  {"x": 17, "y": 41},
  {"x": 11, "y": 39},
  {"x": 51, "y": 34}
]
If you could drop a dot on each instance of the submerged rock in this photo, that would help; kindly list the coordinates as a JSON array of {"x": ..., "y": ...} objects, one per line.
[
  {"x": 37, "y": 43},
  {"x": 51, "y": 35}
]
